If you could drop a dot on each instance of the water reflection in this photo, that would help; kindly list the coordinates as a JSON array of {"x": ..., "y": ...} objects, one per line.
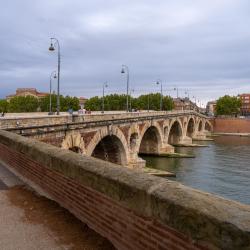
[{"x": 222, "y": 168}]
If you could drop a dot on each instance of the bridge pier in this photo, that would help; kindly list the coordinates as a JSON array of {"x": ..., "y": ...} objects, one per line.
[
  {"x": 137, "y": 163},
  {"x": 201, "y": 135},
  {"x": 186, "y": 140}
]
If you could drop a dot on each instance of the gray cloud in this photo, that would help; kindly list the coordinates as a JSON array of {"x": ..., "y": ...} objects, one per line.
[{"x": 202, "y": 46}]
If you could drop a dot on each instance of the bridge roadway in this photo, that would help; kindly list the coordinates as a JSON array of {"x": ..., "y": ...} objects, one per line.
[{"x": 118, "y": 138}]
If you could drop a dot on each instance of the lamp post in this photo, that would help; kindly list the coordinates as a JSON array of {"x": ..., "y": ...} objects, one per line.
[
  {"x": 130, "y": 94},
  {"x": 126, "y": 69},
  {"x": 52, "y": 75},
  {"x": 148, "y": 102},
  {"x": 177, "y": 92},
  {"x": 53, "y": 44},
  {"x": 160, "y": 82},
  {"x": 105, "y": 85}
]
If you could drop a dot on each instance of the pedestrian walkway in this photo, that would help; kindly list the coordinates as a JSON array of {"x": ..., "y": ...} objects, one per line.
[
  {"x": 29, "y": 221},
  {"x": 7, "y": 178}
]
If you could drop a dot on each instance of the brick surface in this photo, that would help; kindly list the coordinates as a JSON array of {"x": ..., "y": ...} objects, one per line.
[{"x": 123, "y": 227}]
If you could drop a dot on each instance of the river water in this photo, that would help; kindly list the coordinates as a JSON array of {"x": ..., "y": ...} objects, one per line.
[{"x": 222, "y": 168}]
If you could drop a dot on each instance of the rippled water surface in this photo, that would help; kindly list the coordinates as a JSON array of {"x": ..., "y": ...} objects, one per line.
[{"x": 223, "y": 168}]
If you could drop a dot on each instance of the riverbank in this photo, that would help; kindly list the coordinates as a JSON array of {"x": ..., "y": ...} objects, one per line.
[{"x": 231, "y": 134}]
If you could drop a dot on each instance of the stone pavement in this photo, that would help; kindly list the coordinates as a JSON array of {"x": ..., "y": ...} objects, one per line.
[
  {"x": 7, "y": 179},
  {"x": 30, "y": 222}
]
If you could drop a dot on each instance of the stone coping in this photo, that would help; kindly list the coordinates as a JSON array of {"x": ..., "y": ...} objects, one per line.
[{"x": 221, "y": 223}]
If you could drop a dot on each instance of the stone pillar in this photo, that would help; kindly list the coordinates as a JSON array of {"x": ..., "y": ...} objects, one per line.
[
  {"x": 136, "y": 163},
  {"x": 186, "y": 140},
  {"x": 166, "y": 149}
]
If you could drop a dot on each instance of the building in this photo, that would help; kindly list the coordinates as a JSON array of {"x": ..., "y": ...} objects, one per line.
[
  {"x": 27, "y": 92},
  {"x": 211, "y": 108},
  {"x": 184, "y": 104},
  {"x": 82, "y": 101},
  {"x": 245, "y": 104}
]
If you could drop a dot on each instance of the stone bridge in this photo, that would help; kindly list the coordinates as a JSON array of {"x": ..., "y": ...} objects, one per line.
[{"x": 120, "y": 138}]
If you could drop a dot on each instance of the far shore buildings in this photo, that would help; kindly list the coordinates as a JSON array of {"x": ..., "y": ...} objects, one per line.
[
  {"x": 27, "y": 92},
  {"x": 211, "y": 108},
  {"x": 184, "y": 104},
  {"x": 82, "y": 101},
  {"x": 39, "y": 95},
  {"x": 245, "y": 104}
]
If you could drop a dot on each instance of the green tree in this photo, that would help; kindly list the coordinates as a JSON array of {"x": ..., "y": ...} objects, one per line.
[
  {"x": 228, "y": 105},
  {"x": 152, "y": 101},
  {"x": 119, "y": 102},
  {"x": 93, "y": 103},
  {"x": 3, "y": 105},
  {"x": 23, "y": 104},
  {"x": 66, "y": 103},
  {"x": 45, "y": 103}
]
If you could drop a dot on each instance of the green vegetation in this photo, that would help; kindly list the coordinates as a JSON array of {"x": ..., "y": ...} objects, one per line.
[
  {"x": 66, "y": 103},
  {"x": 23, "y": 104},
  {"x": 32, "y": 104},
  {"x": 228, "y": 105},
  {"x": 3, "y": 106},
  {"x": 118, "y": 102}
]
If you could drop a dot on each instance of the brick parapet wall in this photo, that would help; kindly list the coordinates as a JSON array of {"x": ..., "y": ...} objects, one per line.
[
  {"x": 133, "y": 210},
  {"x": 231, "y": 125}
]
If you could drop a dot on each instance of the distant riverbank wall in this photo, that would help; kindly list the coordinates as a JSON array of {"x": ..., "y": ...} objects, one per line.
[
  {"x": 132, "y": 209},
  {"x": 231, "y": 125}
]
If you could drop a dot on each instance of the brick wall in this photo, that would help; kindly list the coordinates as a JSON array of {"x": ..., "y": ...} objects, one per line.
[
  {"x": 231, "y": 125},
  {"x": 131, "y": 209}
]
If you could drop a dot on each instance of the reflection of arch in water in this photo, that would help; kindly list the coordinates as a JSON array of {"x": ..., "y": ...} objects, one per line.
[
  {"x": 151, "y": 141},
  {"x": 175, "y": 133}
]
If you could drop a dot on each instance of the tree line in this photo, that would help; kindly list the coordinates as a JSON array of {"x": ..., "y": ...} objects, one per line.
[
  {"x": 118, "y": 102},
  {"x": 20, "y": 104},
  {"x": 228, "y": 105}
]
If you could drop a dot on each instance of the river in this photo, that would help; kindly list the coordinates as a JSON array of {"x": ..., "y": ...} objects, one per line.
[{"x": 222, "y": 168}]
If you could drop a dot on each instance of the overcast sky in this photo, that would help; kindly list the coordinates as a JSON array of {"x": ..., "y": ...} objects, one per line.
[{"x": 200, "y": 46}]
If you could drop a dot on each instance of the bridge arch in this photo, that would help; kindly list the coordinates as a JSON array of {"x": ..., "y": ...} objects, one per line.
[
  {"x": 208, "y": 126},
  {"x": 109, "y": 144},
  {"x": 200, "y": 125},
  {"x": 175, "y": 133},
  {"x": 73, "y": 141},
  {"x": 190, "y": 127},
  {"x": 151, "y": 140}
]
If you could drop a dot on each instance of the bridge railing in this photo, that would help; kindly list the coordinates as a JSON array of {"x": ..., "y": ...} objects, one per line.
[
  {"x": 49, "y": 123},
  {"x": 132, "y": 209}
]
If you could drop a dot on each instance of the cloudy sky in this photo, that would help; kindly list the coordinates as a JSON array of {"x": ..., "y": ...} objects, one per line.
[{"x": 199, "y": 46}]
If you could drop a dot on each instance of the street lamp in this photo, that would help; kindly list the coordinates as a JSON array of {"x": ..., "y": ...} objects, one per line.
[
  {"x": 148, "y": 103},
  {"x": 160, "y": 82},
  {"x": 126, "y": 69},
  {"x": 105, "y": 85},
  {"x": 52, "y": 75},
  {"x": 177, "y": 92},
  {"x": 53, "y": 44},
  {"x": 130, "y": 94}
]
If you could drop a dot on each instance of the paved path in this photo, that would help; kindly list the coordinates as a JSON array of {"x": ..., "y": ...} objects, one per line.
[
  {"x": 15, "y": 234},
  {"x": 7, "y": 179},
  {"x": 32, "y": 222}
]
